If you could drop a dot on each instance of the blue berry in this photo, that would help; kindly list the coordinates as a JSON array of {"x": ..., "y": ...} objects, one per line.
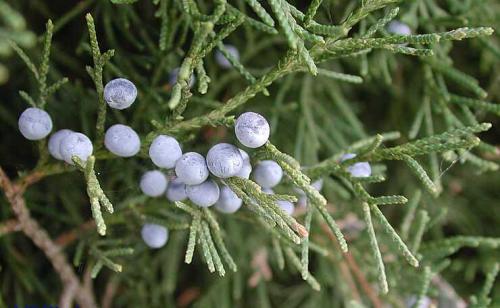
[
  {"x": 267, "y": 173},
  {"x": 176, "y": 190},
  {"x": 222, "y": 60},
  {"x": 204, "y": 194},
  {"x": 75, "y": 144},
  {"x": 286, "y": 206},
  {"x": 224, "y": 160},
  {"x": 399, "y": 28},
  {"x": 228, "y": 201},
  {"x": 426, "y": 302},
  {"x": 55, "y": 142},
  {"x": 35, "y": 123},
  {"x": 172, "y": 78},
  {"x": 120, "y": 93},
  {"x": 357, "y": 170},
  {"x": 165, "y": 151},
  {"x": 153, "y": 183},
  {"x": 246, "y": 169},
  {"x": 122, "y": 140},
  {"x": 155, "y": 236},
  {"x": 252, "y": 129},
  {"x": 191, "y": 168}
]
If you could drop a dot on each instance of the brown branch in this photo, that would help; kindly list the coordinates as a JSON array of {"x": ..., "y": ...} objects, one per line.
[
  {"x": 365, "y": 285},
  {"x": 68, "y": 237},
  {"x": 9, "y": 226},
  {"x": 30, "y": 179},
  {"x": 87, "y": 281},
  {"x": 344, "y": 270},
  {"x": 261, "y": 267},
  {"x": 41, "y": 239},
  {"x": 109, "y": 293},
  {"x": 40, "y": 173},
  {"x": 67, "y": 296},
  {"x": 353, "y": 266},
  {"x": 188, "y": 296}
]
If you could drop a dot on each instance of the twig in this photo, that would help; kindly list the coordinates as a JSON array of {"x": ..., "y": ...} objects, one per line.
[
  {"x": 353, "y": 266},
  {"x": 109, "y": 293},
  {"x": 188, "y": 296},
  {"x": 40, "y": 173},
  {"x": 9, "y": 226},
  {"x": 261, "y": 268},
  {"x": 68, "y": 237},
  {"x": 41, "y": 239},
  {"x": 67, "y": 296},
  {"x": 346, "y": 273},
  {"x": 365, "y": 285}
]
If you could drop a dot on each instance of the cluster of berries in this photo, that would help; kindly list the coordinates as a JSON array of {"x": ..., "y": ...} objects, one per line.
[
  {"x": 191, "y": 180},
  {"x": 36, "y": 124},
  {"x": 192, "y": 170},
  {"x": 190, "y": 177}
]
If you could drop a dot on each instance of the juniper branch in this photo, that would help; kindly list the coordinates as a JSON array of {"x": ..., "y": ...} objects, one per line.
[
  {"x": 303, "y": 182},
  {"x": 410, "y": 214},
  {"x": 460, "y": 138},
  {"x": 375, "y": 249},
  {"x": 422, "y": 175},
  {"x": 41, "y": 239},
  {"x": 261, "y": 12},
  {"x": 305, "y": 245},
  {"x": 442, "y": 248},
  {"x": 193, "y": 230},
  {"x": 482, "y": 300},
  {"x": 381, "y": 22},
  {"x": 395, "y": 237},
  {"x": 96, "y": 74},
  {"x": 217, "y": 234},
  {"x": 44, "y": 65},
  {"x": 211, "y": 246},
  {"x": 96, "y": 194},
  {"x": 287, "y": 224},
  {"x": 295, "y": 261},
  {"x": 426, "y": 279},
  {"x": 423, "y": 219}
]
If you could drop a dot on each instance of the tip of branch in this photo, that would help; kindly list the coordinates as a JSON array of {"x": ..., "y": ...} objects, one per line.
[
  {"x": 301, "y": 230},
  {"x": 485, "y": 126},
  {"x": 343, "y": 247},
  {"x": 305, "y": 274},
  {"x": 489, "y": 31},
  {"x": 414, "y": 262},
  {"x": 101, "y": 230},
  {"x": 385, "y": 289}
]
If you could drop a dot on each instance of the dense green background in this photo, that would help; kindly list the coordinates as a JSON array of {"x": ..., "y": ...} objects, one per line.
[{"x": 310, "y": 111}]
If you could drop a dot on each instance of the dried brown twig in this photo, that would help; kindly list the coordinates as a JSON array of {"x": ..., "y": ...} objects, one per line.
[
  {"x": 31, "y": 228},
  {"x": 9, "y": 226},
  {"x": 353, "y": 266}
]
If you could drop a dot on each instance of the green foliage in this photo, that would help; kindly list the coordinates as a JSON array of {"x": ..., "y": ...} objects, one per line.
[
  {"x": 13, "y": 32},
  {"x": 421, "y": 109},
  {"x": 95, "y": 192}
]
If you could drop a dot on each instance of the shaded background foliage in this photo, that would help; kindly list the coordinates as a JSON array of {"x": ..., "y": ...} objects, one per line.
[{"x": 310, "y": 120}]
